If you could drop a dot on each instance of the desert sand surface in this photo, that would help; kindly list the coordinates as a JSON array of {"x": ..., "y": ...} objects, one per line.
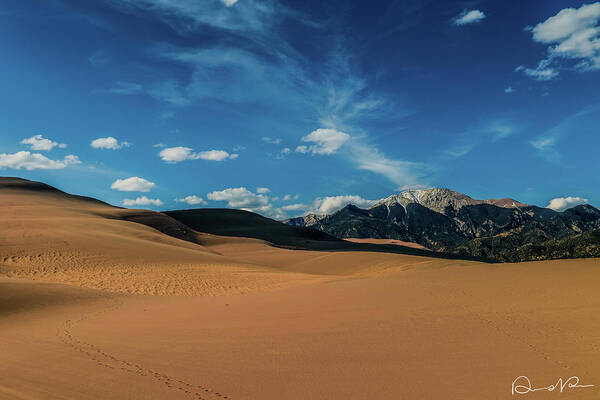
[
  {"x": 387, "y": 241},
  {"x": 94, "y": 306}
]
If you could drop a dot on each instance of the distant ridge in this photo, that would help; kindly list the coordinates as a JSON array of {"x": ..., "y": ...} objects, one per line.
[
  {"x": 436, "y": 199},
  {"x": 191, "y": 225},
  {"x": 14, "y": 183},
  {"x": 440, "y": 199},
  {"x": 153, "y": 219},
  {"x": 240, "y": 223},
  {"x": 464, "y": 228},
  {"x": 448, "y": 221},
  {"x": 507, "y": 203}
]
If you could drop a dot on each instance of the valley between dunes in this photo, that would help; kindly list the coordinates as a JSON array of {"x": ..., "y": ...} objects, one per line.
[{"x": 94, "y": 305}]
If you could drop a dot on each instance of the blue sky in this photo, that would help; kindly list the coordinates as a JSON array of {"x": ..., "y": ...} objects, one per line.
[{"x": 287, "y": 107}]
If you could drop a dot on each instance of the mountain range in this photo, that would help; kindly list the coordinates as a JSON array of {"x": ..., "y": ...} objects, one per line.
[
  {"x": 452, "y": 222},
  {"x": 196, "y": 226},
  {"x": 446, "y": 223}
]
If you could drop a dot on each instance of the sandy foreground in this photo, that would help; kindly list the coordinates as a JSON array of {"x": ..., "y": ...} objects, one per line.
[{"x": 94, "y": 307}]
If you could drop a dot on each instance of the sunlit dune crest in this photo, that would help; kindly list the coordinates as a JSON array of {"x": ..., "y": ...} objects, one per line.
[{"x": 103, "y": 302}]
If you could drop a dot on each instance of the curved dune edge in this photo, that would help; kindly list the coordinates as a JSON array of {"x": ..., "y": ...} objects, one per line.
[
  {"x": 388, "y": 241},
  {"x": 50, "y": 236},
  {"x": 95, "y": 306}
]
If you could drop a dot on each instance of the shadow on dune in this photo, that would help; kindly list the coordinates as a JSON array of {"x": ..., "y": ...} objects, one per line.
[
  {"x": 19, "y": 297},
  {"x": 189, "y": 224},
  {"x": 239, "y": 223}
]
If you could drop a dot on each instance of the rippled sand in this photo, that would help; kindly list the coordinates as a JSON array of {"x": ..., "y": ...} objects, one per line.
[{"x": 96, "y": 307}]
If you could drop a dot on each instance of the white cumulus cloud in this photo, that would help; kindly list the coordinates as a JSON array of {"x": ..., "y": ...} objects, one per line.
[
  {"x": 244, "y": 199},
  {"x": 289, "y": 197},
  {"x": 175, "y": 154},
  {"x": 331, "y": 204},
  {"x": 32, "y": 161},
  {"x": 133, "y": 184},
  {"x": 109, "y": 143},
  {"x": 326, "y": 141},
  {"x": 295, "y": 207},
  {"x": 271, "y": 140},
  {"x": 542, "y": 72},
  {"x": 180, "y": 153},
  {"x": 263, "y": 190},
  {"x": 40, "y": 143},
  {"x": 571, "y": 34},
  {"x": 191, "y": 200},
  {"x": 215, "y": 155},
  {"x": 142, "y": 201},
  {"x": 562, "y": 203},
  {"x": 469, "y": 17},
  {"x": 239, "y": 198},
  {"x": 229, "y": 3}
]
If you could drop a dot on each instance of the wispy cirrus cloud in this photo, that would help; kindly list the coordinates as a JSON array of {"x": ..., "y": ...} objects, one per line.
[
  {"x": 542, "y": 72},
  {"x": 168, "y": 91},
  {"x": 363, "y": 155},
  {"x": 469, "y": 17},
  {"x": 368, "y": 157},
  {"x": 124, "y": 88},
  {"x": 99, "y": 58},
  {"x": 260, "y": 65},
  {"x": 249, "y": 57},
  {"x": 490, "y": 132},
  {"x": 231, "y": 74},
  {"x": 346, "y": 105},
  {"x": 584, "y": 122},
  {"x": 271, "y": 140},
  {"x": 189, "y": 15}
]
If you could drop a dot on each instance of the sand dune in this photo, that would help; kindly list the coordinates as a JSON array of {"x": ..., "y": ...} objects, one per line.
[
  {"x": 387, "y": 241},
  {"x": 50, "y": 237},
  {"x": 240, "y": 223},
  {"x": 96, "y": 306},
  {"x": 54, "y": 237},
  {"x": 433, "y": 330}
]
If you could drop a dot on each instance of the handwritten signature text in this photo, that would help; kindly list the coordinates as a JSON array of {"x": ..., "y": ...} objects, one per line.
[{"x": 522, "y": 385}]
